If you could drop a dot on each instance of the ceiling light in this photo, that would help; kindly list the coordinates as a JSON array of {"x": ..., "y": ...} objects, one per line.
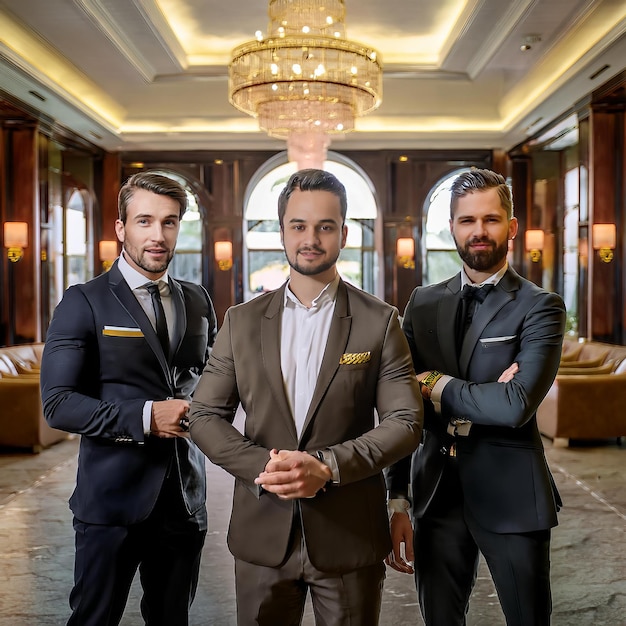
[
  {"x": 528, "y": 41},
  {"x": 305, "y": 82}
]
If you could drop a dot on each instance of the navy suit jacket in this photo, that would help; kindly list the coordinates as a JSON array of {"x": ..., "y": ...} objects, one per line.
[
  {"x": 101, "y": 362},
  {"x": 504, "y": 475}
]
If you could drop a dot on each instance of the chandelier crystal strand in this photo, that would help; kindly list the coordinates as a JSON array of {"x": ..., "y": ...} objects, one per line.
[{"x": 305, "y": 79}]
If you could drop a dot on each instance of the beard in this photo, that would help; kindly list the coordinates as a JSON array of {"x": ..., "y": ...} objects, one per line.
[
  {"x": 148, "y": 265},
  {"x": 309, "y": 269},
  {"x": 483, "y": 260}
]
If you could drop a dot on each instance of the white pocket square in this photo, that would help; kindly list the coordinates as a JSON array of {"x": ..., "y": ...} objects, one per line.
[{"x": 503, "y": 339}]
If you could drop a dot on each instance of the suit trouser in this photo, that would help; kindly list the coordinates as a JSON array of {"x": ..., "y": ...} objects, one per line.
[
  {"x": 272, "y": 596},
  {"x": 166, "y": 548},
  {"x": 447, "y": 544}
]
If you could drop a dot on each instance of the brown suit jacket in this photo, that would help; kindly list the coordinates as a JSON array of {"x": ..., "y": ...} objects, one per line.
[{"x": 346, "y": 526}]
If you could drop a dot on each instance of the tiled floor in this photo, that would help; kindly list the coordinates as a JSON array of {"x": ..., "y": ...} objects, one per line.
[{"x": 36, "y": 545}]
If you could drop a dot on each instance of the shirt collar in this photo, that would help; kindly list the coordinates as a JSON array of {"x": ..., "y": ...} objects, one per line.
[
  {"x": 328, "y": 293},
  {"x": 494, "y": 279},
  {"x": 134, "y": 278}
]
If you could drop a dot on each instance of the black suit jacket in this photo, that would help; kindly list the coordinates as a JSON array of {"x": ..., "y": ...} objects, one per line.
[
  {"x": 505, "y": 478},
  {"x": 101, "y": 362}
]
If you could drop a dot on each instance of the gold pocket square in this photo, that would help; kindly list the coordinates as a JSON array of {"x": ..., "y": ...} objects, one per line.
[
  {"x": 355, "y": 358},
  {"x": 121, "y": 331}
]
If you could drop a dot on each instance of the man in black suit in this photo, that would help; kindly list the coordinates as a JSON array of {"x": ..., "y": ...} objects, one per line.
[
  {"x": 121, "y": 362},
  {"x": 480, "y": 481}
]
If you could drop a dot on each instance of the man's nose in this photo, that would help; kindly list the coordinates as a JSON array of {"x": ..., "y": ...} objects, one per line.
[
  {"x": 311, "y": 235},
  {"x": 479, "y": 229},
  {"x": 157, "y": 233}
]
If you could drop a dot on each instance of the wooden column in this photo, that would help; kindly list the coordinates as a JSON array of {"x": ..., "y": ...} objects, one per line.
[{"x": 23, "y": 206}]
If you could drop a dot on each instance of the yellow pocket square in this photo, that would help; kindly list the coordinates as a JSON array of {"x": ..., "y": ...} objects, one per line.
[
  {"x": 355, "y": 358},
  {"x": 121, "y": 331}
]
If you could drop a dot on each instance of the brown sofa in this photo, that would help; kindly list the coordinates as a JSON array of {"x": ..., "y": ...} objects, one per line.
[
  {"x": 22, "y": 424},
  {"x": 588, "y": 397}
]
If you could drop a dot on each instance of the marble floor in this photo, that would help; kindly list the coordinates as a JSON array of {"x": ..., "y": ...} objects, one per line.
[{"x": 36, "y": 545}]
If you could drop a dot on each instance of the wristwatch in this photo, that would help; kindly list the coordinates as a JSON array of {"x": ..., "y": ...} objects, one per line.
[{"x": 431, "y": 380}]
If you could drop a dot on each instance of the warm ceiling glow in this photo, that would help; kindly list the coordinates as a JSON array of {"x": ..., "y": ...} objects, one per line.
[{"x": 51, "y": 67}]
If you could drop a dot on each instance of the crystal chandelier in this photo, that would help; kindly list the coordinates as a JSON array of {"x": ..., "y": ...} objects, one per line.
[{"x": 305, "y": 82}]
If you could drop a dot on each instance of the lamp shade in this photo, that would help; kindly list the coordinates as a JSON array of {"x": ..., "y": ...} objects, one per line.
[
  {"x": 604, "y": 236},
  {"x": 15, "y": 234},
  {"x": 223, "y": 251},
  {"x": 534, "y": 239},
  {"x": 405, "y": 247},
  {"x": 107, "y": 250}
]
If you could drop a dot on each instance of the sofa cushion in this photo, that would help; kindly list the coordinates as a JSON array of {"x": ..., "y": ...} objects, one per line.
[
  {"x": 621, "y": 367},
  {"x": 570, "y": 370}
]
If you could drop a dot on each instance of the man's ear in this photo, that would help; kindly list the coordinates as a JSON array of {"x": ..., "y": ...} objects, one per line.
[{"x": 120, "y": 230}]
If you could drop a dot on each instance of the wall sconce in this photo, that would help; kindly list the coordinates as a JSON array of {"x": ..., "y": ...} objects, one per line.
[
  {"x": 223, "y": 252},
  {"x": 604, "y": 238},
  {"x": 15, "y": 239},
  {"x": 534, "y": 244},
  {"x": 108, "y": 253},
  {"x": 405, "y": 252}
]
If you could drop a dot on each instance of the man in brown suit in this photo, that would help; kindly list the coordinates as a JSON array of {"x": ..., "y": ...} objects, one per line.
[{"x": 316, "y": 365}]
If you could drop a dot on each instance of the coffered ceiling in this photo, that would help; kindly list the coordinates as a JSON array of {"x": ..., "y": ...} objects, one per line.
[{"x": 153, "y": 74}]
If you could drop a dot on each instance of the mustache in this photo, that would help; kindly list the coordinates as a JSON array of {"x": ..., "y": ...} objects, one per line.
[
  {"x": 475, "y": 241},
  {"x": 310, "y": 249}
]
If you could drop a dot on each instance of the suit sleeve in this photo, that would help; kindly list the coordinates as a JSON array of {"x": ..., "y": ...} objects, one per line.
[
  {"x": 397, "y": 475},
  {"x": 212, "y": 413},
  {"x": 400, "y": 412},
  {"x": 512, "y": 404},
  {"x": 71, "y": 378}
]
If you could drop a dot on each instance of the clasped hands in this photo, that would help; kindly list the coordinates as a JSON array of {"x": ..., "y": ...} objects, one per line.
[
  {"x": 292, "y": 474},
  {"x": 169, "y": 418}
]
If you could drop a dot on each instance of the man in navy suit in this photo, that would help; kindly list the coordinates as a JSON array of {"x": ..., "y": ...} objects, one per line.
[
  {"x": 480, "y": 481},
  {"x": 109, "y": 376}
]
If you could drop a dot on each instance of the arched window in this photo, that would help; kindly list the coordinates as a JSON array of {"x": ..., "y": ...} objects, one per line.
[
  {"x": 265, "y": 265},
  {"x": 67, "y": 239},
  {"x": 440, "y": 256}
]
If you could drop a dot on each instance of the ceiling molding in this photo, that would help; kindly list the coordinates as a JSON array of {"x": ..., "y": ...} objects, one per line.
[{"x": 498, "y": 35}]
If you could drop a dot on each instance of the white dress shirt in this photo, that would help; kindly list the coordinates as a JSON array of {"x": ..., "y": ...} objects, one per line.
[
  {"x": 137, "y": 282},
  {"x": 303, "y": 338}
]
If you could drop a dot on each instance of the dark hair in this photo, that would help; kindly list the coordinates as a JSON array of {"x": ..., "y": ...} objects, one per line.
[
  {"x": 312, "y": 180},
  {"x": 480, "y": 180},
  {"x": 156, "y": 183}
]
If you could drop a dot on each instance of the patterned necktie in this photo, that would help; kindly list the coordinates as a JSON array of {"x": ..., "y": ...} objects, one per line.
[
  {"x": 159, "y": 314},
  {"x": 470, "y": 296}
]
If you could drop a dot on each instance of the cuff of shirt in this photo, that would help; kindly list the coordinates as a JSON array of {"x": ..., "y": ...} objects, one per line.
[
  {"x": 437, "y": 392},
  {"x": 331, "y": 462},
  {"x": 398, "y": 505},
  {"x": 147, "y": 417}
]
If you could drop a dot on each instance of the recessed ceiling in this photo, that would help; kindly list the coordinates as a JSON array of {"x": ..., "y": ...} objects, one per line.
[{"x": 153, "y": 74}]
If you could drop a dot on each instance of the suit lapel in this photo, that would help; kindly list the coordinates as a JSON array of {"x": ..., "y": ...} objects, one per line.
[
  {"x": 180, "y": 314},
  {"x": 335, "y": 346},
  {"x": 503, "y": 293},
  {"x": 124, "y": 295},
  {"x": 270, "y": 354},
  {"x": 446, "y": 324}
]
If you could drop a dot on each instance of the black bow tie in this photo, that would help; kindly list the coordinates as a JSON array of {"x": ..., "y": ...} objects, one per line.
[{"x": 479, "y": 294}]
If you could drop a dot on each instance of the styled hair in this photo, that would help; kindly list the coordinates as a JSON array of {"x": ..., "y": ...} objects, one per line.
[
  {"x": 156, "y": 183},
  {"x": 312, "y": 180},
  {"x": 480, "y": 180}
]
